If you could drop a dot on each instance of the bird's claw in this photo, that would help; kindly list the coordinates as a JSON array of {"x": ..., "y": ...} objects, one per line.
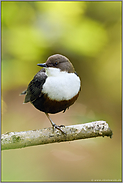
[{"x": 59, "y": 128}]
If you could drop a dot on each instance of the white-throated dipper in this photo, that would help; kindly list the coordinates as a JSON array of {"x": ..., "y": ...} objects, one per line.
[{"x": 55, "y": 87}]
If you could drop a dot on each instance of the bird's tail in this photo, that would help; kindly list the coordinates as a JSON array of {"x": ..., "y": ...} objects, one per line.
[{"x": 23, "y": 93}]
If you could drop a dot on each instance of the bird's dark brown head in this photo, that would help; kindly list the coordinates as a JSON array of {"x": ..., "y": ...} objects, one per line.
[{"x": 59, "y": 61}]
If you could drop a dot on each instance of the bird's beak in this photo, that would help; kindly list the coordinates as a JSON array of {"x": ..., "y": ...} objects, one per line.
[{"x": 42, "y": 65}]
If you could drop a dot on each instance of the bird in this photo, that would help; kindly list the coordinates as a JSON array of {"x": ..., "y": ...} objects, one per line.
[{"x": 54, "y": 88}]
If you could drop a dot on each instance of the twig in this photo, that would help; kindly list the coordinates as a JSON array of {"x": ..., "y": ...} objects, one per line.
[{"x": 14, "y": 140}]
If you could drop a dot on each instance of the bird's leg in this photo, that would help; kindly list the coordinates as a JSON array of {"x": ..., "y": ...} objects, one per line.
[{"x": 54, "y": 125}]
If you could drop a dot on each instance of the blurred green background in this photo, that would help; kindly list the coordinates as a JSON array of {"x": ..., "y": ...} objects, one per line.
[{"x": 89, "y": 34}]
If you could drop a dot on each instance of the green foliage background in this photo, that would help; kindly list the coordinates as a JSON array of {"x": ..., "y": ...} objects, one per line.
[{"x": 89, "y": 34}]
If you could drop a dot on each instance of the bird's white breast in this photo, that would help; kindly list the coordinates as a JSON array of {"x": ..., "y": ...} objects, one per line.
[{"x": 61, "y": 85}]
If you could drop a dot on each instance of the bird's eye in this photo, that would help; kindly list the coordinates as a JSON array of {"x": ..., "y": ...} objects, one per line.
[{"x": 56, "y": 63}]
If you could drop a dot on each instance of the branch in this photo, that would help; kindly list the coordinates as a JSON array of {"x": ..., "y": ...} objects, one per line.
[{"x": 14, "y": 140}]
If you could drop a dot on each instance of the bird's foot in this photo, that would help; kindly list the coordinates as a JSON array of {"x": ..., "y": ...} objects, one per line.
[
  {"x": 59, "y": 128},
  {"x": 56, "y": 126},
  {"x": 61, "y": 125}
]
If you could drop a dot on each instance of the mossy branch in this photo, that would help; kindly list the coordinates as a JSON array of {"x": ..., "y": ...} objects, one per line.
[{"x": 14, "y": 140}]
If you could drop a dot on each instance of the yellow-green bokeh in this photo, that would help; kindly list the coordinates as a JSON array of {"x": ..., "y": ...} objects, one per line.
[{"x": 89, "y": 34}]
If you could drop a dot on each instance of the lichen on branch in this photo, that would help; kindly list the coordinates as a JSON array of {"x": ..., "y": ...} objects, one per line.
[{"x": 14, "y": 140}]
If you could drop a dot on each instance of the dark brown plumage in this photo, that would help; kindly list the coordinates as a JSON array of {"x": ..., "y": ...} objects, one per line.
[{"x": 41, "y": 100}]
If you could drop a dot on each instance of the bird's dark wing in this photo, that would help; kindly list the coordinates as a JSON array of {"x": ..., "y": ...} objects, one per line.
[{"x": 35, "y": 86}]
